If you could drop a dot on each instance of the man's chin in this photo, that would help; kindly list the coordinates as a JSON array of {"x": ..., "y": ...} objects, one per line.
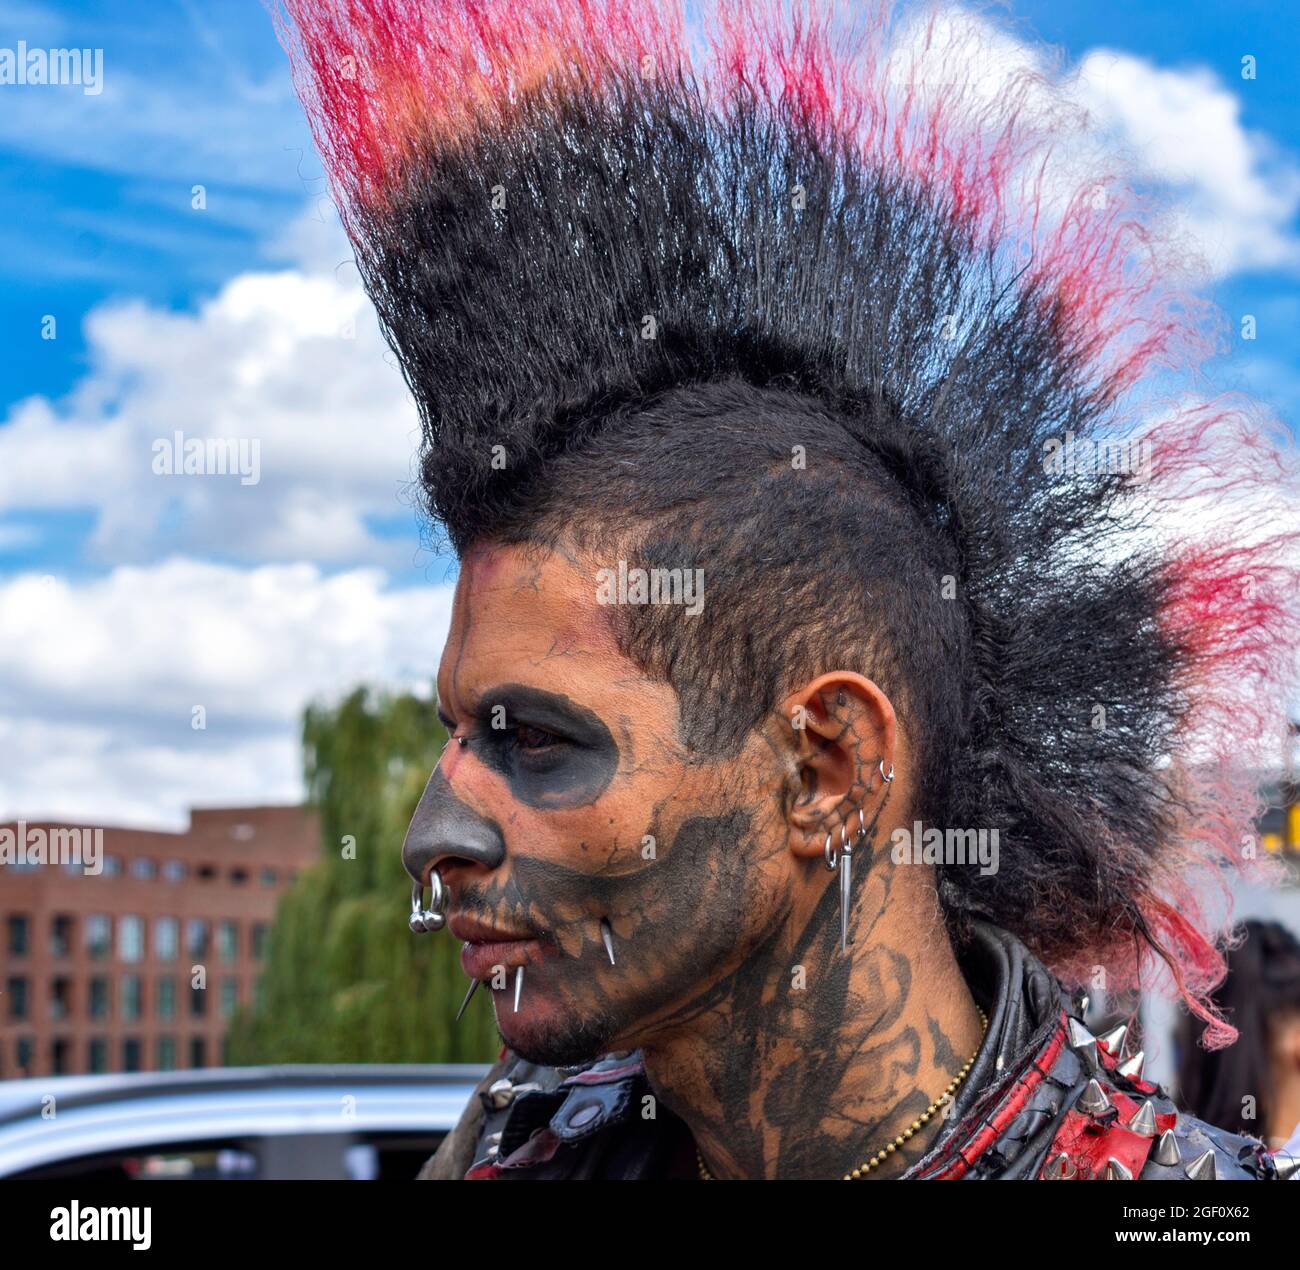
[{"x": 558, "y": 1044}]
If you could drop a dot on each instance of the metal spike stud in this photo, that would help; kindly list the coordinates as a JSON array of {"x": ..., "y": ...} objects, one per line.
[
  {"x": 1132, "y": 1069},
  {"x": 1144, "y": 1120},
  {"x": 1116, "y": 1172},
  {"x": 1059, "y": 1168},
  {"x": 1202, "y": 1169},
  {"x": 1167, "y": 1152},
  {"x": 846, "y": 893},
  {"x": 1093, "y": 1100},
  {"x": 473, "y": 988},
  {"x": 607, "y": 935},
  {"x": 519, "y": 986},
  {"x": 1288, "y": 1167},
  {"x": 1114, "y": 1040}
]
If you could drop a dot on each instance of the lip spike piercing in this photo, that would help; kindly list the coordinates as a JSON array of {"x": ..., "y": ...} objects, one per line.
[
  {"x": 608, "y": 937},
  {"x": 473, "y": 988},
  {"x": 519, "y": 986}
]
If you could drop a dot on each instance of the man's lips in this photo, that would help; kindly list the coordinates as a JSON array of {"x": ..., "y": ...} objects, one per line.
[{"x": 486, "y": 947}]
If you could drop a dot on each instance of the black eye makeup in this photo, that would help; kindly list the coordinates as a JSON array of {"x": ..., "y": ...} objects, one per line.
[{"x": 553, "y": 752}]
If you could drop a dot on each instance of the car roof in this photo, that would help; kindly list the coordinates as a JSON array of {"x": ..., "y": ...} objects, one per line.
[{"x": 91, "y": 1114}]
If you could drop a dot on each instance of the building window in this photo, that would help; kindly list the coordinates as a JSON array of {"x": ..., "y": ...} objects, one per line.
[
  {"x": 130, "y": 938},
  {"x": 260, "y": 932},
  {"x": 166, "y": 938},
  {"x": 228, "y": 941},
  {"x": 166, "y": 1053},
  {"x": 131, "y": 998},
  {"x": 143, "y": 868},
  {"x": 131, "y": 1054},
  {"x": 229, "y": 998},
  {"x": 205, "y": 872},
  {"x": 259, "y": 993},
  {"x": 166, "y": 999},
  {"x": 99, "y": 1003},
  {"x": 198, "y": 1052},
  {"x": 19, "y": 934},
  {"x": 198, "y": 1002},
  {"x": 60, "y": 999},
  {"x": 112, "y": 866},
  {"x": 61, "y": 935},
  {"x": 97, "y": 1055},
  {"x": 239, "y": 876},
  {"x": 174, "y": 871},
  {"x": 25, "y": 1053},
  {"x": 267, "y": 877},
  {"x": 99, "y": 935},
  {"x": 16, "y": 991},
  {"x": 196, "y": 937},
  {"x": 60, "y": 1052}
]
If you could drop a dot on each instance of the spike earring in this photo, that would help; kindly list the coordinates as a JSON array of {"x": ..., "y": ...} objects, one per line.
[
  {"x": 608, "y": 937},
  {"x": 842, "y": 859},
  {"x": 434, "y": 918}
]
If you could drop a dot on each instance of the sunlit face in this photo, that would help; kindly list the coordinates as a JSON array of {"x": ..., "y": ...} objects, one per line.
[{"x": 574, "y": 802}]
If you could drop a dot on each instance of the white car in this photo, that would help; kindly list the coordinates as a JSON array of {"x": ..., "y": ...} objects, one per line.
[{"x": 359, "y": 1121}]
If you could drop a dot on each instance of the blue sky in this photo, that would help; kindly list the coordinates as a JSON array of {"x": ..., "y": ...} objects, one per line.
[{"x": 125, "y": 603}]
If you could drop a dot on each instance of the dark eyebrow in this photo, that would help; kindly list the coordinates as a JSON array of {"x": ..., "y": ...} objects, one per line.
[{"x": 545, "y": 709}]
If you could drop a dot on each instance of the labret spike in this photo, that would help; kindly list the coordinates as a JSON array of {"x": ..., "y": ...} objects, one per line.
[
  {"x": 608, "y": 937},
  {"x": 519, "y": 986},
  {"x": 473, "y": 988}
]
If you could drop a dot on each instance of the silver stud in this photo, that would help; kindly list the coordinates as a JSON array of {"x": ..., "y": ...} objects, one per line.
[
  {"x": 519, "y": 986},
  {"x": 1093, "y": 1100},
  {"x": 1167, "y": 1152},
  {"x": 1114, "y": 1040},
  {"x": 473, "y": 988},
  {"x": 1144, "y": 1120},
  {"x": 1059, "y": 1168},
  {"x": 1202, "y": 1169},
  {"x": 1132, "y": 1069},
  {"x": 607, "y": 935},
  {"x": 1288, "y": 1167},
  {"x": 1116, "y": 1172},
  {"x": 501, "y": 1093},
  {"x": 1083, "y": 1043}
]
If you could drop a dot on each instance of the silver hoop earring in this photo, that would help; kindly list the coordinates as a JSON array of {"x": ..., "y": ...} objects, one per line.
[
  {"x": 829, "y": 854},
  {"x": 423, "y": 920}
]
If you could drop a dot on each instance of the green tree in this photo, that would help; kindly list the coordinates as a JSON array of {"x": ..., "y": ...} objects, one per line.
[{"x": 345, "y": 980}]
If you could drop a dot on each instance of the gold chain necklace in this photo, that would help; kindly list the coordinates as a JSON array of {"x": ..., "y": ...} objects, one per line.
[{"x": 915, "y": 1127}]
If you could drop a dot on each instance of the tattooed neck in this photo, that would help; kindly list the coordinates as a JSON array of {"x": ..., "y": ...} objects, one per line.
[{"x": 806, "y": 1061}]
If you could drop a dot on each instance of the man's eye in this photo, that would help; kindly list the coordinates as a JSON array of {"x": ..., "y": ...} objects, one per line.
[{"x": 527, "y": 738}]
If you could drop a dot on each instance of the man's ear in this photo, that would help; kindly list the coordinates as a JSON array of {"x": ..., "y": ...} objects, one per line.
[{"x": 844, "y": 734}]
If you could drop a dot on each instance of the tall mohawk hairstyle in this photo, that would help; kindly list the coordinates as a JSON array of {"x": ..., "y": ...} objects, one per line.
[{"x": 630, "y": 265}]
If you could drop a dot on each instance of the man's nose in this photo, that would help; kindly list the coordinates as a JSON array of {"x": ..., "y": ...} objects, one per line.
[{"x": 444, "y": 828}]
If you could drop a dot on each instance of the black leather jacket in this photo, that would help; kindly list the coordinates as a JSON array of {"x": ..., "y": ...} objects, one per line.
[{"x": 1044, "y": 1099}]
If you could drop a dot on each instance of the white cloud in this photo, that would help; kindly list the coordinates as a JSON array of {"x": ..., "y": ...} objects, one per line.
[
  {"x": 292, "y": 359},
  {"x": 1237, "y": 195},
  {"x": 1234, "y": 196},
  {"x": 99, "y": 680}
]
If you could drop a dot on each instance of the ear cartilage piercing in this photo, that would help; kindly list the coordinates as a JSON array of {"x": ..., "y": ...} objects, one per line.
[
  {"x": 473, "y": 988},
  {"x": 608, "y": 937},
  {"x": 519, "y": 986}
]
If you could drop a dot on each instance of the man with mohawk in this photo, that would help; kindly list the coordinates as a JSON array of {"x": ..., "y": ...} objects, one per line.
[{"x": 794, "y": 310}]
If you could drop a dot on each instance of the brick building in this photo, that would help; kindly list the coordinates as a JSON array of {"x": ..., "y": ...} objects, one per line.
[{"x": 97, "y": 972}]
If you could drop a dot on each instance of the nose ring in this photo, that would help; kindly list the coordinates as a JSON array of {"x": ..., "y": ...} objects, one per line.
[{"x": 434, "y": 918}]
